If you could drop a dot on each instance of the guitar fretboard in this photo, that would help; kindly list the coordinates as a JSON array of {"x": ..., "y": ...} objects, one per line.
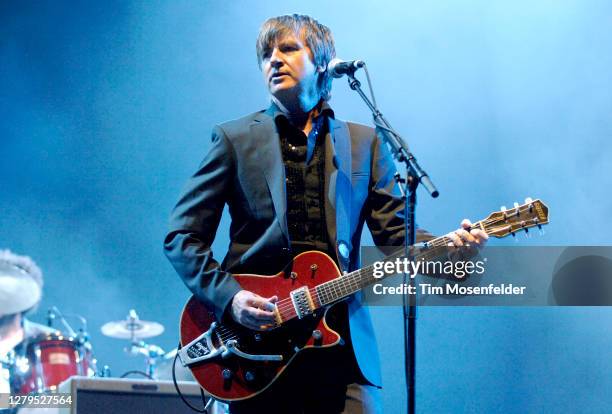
[{"x": 349, "y": 283}]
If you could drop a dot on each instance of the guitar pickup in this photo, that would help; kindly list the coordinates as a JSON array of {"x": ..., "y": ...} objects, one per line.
[{"x": 302, "y": 302}]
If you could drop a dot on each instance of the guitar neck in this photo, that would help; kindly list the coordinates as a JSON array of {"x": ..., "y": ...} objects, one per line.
[
  {"x": 349, "y": 283},
  {"x": 498, "y": 224}
]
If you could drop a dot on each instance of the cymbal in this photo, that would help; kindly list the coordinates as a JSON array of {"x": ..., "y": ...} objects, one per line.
[
  {"x": 132, "y": 329},
  {"x": 18, "y": 290}
]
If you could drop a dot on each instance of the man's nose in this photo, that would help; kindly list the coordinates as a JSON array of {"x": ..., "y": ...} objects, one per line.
[{"x": 276, "y": 58}]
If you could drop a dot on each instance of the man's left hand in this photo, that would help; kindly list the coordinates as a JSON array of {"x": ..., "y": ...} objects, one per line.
[{"x": 467, "y": 236}]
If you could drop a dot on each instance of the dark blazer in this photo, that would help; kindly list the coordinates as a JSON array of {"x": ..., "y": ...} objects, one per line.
[{"x": 244, "y": 169}]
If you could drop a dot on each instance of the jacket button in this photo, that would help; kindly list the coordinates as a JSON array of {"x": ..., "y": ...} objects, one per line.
[{"x": 343, "y": 249}]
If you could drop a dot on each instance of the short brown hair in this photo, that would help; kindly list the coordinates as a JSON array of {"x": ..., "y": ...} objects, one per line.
[{"x": 317, "y": 37}]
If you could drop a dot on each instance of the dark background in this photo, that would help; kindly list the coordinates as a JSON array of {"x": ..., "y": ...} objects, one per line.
[{"x": 107, "y": 107}]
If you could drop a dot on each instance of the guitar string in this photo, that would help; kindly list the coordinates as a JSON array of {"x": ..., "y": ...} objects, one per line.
[
  {"x": 335, "y": 286},
  {"x": 326, "y": 292},
  {"x": 332, "y": 290},
  {"x": 442, "y": 241},
  {"x": 286, "y": 304}
]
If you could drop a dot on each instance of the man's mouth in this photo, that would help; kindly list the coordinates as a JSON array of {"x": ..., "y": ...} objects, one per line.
[{"x": 278, "y": 75}]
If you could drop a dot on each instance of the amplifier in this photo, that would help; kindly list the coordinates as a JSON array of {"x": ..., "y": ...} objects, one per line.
[{"x": 130, "y": 396}]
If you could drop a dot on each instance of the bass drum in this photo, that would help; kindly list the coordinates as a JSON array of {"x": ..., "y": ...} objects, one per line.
[{"x": 42, "y": 363}]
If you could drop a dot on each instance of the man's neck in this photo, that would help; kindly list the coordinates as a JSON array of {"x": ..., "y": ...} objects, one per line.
[{"x": 300, "y": 114}]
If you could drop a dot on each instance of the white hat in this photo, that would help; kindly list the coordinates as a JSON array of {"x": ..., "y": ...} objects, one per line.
[{"x": 20, "y": 283}]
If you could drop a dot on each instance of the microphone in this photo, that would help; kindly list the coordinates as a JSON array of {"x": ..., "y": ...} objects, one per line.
[{"x": 337, "y": 68}]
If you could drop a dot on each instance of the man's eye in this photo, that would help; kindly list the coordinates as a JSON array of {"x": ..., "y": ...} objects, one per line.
[{"x": 289, "y": 48}]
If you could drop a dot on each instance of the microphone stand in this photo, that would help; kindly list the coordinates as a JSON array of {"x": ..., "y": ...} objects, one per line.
[{"x": 415, "y": 175}]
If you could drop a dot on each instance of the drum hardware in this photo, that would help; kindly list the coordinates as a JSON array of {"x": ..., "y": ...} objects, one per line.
[
  {"x": 135, "y": 330},
  {"x": 105, "y": 372},
  {"x": 81, "y": 336},
  {"x": 152, "y": 354}
]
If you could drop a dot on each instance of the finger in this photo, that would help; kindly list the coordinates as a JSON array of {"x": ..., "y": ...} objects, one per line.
[
  {"x": 271, "y": 303},
  {"x": 456, "y": 239},
  {"x": 260, "y": 316},
  {"x": 465, "y": 236},
  {"x": 480, "y": 235},
  {"x": 461, "y": 239},
  {"x": 466, "y": 224},
  {"x": 258, "y": 302}
]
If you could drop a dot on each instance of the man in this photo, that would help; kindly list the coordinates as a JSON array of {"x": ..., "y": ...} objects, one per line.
[
  {"x": 295, "y": 178},
  {"x": 20, "y": 291}
]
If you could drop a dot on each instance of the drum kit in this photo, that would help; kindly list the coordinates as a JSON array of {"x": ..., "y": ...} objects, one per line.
[
  {"x": 36, "y": 359},
  {"x": 39, "y": 364}
]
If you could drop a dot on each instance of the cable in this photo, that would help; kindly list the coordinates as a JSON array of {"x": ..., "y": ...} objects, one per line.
[
  {"x": 144, "y": 374},
  {"x": 178, "y": 391}
]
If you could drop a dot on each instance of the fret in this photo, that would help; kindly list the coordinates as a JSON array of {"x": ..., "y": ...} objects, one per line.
[
  {"x": 498, "y": 224},
  {"x": 355, "y": 281}
]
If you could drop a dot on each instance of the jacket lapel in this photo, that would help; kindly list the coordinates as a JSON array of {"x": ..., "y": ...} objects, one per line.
[
  {"x": 338, "y": 189},
  {"x": 272, "y": 165}
]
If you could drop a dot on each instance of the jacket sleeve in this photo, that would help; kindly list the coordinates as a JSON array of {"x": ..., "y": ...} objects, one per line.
[
  {"x": 194, "y": 222},
  {"x": 385, "y": 217}
]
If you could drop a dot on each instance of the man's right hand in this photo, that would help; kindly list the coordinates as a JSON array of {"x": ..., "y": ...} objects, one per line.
[{"x": 253, "y": 311}]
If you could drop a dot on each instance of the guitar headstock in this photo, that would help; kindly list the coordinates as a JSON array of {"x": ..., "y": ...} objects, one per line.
[{"x": 522, "y": 217}]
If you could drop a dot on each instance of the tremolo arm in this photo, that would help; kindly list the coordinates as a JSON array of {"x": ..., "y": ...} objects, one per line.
[{"x": 203, "y": 348}]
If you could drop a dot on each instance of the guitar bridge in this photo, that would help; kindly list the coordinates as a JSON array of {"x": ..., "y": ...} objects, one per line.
[{"x": 302, "y": 302}]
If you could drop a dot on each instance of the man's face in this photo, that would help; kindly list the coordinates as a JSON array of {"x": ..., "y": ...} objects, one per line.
[{"x": 288, "y": 69}]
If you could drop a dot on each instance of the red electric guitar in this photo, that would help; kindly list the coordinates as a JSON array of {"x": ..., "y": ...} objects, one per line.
[{"x": 234, "y": 363}]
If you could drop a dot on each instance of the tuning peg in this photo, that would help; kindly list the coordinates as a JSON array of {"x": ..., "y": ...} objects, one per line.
[
  {"x": 541, "y": 230},
  {"x": 529, "y": 201},
  {"x": 503, "y": 208},
  {"x": 517, "y": 208},
  {"x": 527, "y": 234}
]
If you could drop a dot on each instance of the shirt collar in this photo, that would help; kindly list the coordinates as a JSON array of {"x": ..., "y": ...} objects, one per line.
[{"x": 275, "y": 112}]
